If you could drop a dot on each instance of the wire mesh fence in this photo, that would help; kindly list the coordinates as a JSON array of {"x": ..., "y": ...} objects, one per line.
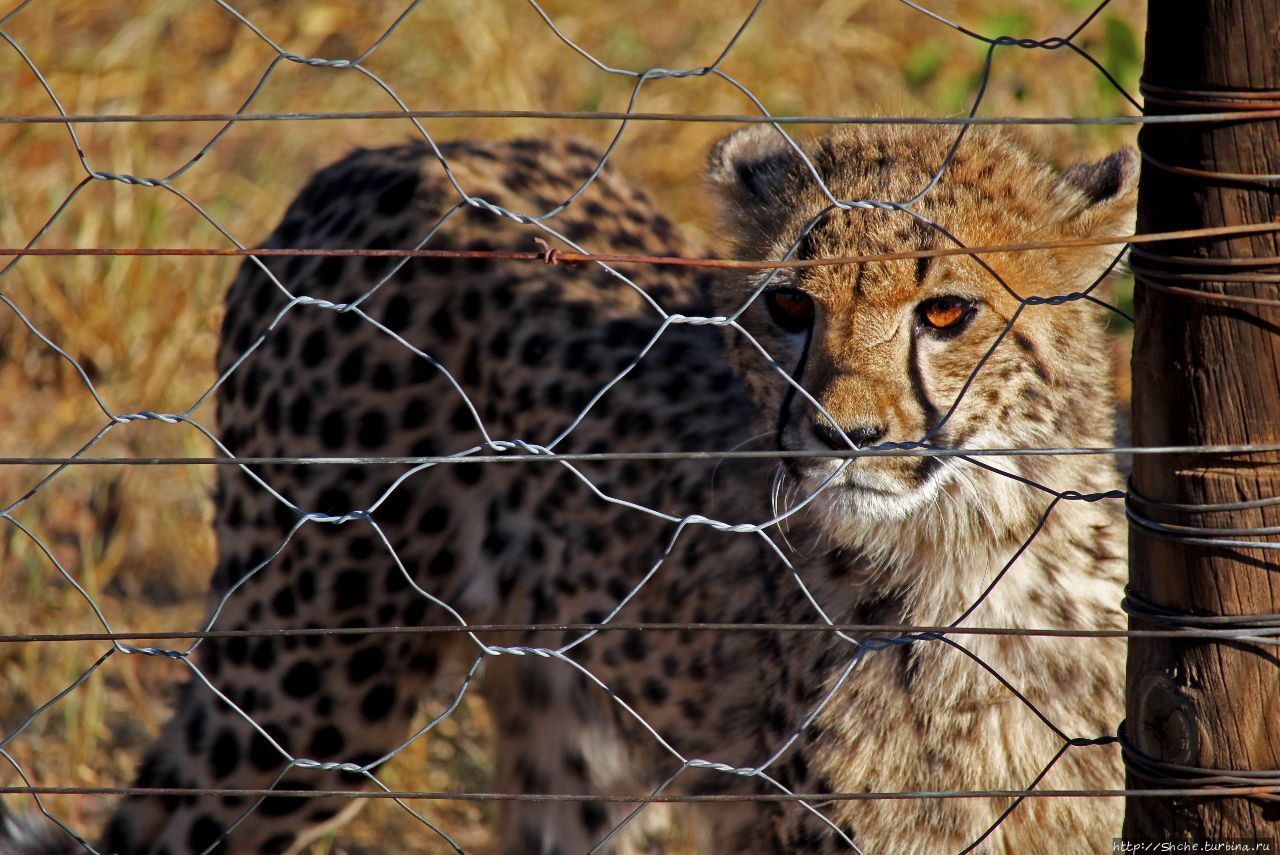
[{"x": 494, "y": 592}]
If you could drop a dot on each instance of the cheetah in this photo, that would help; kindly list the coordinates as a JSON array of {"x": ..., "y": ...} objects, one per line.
[{"x": 441, "y": 356}]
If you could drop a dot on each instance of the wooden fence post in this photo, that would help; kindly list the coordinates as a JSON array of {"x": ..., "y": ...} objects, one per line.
[{"x": 1206, "y": 370}]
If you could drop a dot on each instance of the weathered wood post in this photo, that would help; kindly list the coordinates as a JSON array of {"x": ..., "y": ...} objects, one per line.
[{"x": 1206, "y": 370}]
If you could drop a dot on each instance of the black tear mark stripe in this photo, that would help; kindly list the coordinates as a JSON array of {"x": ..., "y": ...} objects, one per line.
[
  {"x": 797, "y": 377},
  {"x": 917, "y": 384},
  {"x": 926, "y": 465}
]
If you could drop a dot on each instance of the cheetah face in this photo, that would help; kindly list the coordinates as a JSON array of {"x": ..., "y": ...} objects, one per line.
[
  {"x": 871, "y": 362},
  {"x": 934, "y": 350}
]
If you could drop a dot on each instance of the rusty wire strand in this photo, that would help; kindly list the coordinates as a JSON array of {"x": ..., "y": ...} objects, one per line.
[
  {"x": 1262, "y": 788},
  {"x": 570, "y": 257},
  {"x": 904, "y": 449},
  {"x": 637, "y": 116}
]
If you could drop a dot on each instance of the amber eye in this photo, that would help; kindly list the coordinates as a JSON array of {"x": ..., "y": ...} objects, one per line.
[
  {"x": 946, "y": 313},
  {"x": 790, "y": 309}
]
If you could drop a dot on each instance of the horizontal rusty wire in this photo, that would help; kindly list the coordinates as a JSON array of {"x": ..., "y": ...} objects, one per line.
[
  {"x": 569, "y": 257},
  {"x": 1240, "y": 103},
  {"x": 911, "y": 450},
  {"x": 1260, "y": 789},
  {"x": 618, "y": 115}
]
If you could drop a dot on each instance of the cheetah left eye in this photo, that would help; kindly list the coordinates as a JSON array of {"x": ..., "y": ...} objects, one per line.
[
  {"x": 790, "y": 308},
  {"x": 949, "y": 314}
]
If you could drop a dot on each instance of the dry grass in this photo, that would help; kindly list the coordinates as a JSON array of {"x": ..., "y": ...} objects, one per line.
[{"x": 137, "y": 539}]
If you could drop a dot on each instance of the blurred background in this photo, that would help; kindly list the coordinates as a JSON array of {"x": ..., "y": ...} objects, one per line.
[{"x": 138, "y": 538}]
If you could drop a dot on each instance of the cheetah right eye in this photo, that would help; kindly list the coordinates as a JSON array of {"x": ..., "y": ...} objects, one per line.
[
  {"x": 946, "y": 315},
  {"x": 791, "y": 309}
]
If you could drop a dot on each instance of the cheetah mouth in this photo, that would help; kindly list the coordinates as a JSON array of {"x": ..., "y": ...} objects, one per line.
[
  {"x": 844, "y": 477},
  {"x": 863, "y": 489},
  {"x": 882, "y": 479},
  {"x": 887, "y": 475}
]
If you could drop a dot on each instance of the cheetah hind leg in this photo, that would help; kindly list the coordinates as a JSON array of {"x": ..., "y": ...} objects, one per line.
[{"x": 332, "y": 707}]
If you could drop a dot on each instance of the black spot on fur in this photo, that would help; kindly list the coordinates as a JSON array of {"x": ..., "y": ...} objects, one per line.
[
  {"x": 594, "y": 816},
  {"x": 360, "y": 548},
  {"x": 350, "y": 590},
  {"x": 414, "y": 414},
  {"x": 262, "y": 754},
  {"x": 322, "y": 815},
  {"x": 301, "y": 681},
  {"x": 197, "y": 718},
  {"x": 333, "y": 430},
  {"x": 224, "y": 756},
  {"x": 306, "y": 585},
  {"x": 395, "y": 580},
  {"x": 635, "y": 645},
  {"x": 383, "y": 377},
  {"x": 434, "y": 521},
  {"x": 237, "y": 650},
  {"x": 211, "y": 658},
  {"x": 467, "y": 473},
  {"x": 396, "y": 506},
  {"x": 346, "y": 321},
  {"x": 500, "y": 344},
  {"x": 116, "y": 837},
  {"x": 442, "y": 324},
  {"x": 399, "y": 309},
  {"x": 656, "y": 690},
  {"x": 415, "y": 611},
  {"x": 366, "y": 664},
  {"x": 283, "y": 603},
  {"x": 271, "y": 413},
  {"x": 264, "y": 654},
  {"x": 495, "y": 543},
  {"x": 398, "y": 194},
  {"x": 378, "y": 703},
  {"x": 351, "y": 369},
  {"x": 277, "y": 845},
  {"x": 300, "y": 414},
  {"x": 534, "y": 350},
  {"x": 314, "y": 347},
  {"x": 204, "y": 831}
]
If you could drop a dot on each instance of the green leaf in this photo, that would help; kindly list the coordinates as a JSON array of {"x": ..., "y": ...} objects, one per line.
[
  {"x": 1120, "y": 54},
  {"x": 923, "y": 63},
  {"x": 1005, "y": 24},
  {"x": 1123, "y": 55}
]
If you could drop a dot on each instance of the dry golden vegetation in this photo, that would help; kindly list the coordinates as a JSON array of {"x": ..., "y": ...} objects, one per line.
[{"x": 137, "y": 539}]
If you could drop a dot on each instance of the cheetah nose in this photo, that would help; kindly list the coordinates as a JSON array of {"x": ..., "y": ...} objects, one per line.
[{"x": 861, "y": 436}]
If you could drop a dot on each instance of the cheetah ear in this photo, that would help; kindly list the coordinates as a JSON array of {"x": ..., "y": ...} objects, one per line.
[
  {"x": 1099, "y": 200},
  {"x": 1102, "y": 195},
  {"x": 751, "y": 171}
]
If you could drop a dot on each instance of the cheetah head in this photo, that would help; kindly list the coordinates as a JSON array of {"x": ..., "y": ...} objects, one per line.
[{"x": 938, "y": 349}]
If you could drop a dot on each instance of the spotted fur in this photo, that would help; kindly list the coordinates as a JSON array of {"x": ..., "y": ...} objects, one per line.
[{"x": 897, "y": 540}]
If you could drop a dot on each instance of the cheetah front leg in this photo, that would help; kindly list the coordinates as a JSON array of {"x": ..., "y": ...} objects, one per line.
[{"x": 558, "y": 733}]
